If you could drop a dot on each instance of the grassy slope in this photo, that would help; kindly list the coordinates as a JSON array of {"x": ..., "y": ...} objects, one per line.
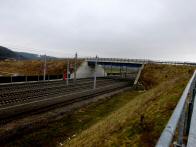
[
  {"x": 116, "y": 121},
  {"x": 141, "y": 120},
  {"x": 73, "y": 123}
]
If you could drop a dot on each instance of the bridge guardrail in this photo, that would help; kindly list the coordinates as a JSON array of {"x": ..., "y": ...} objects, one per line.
[
  {"x": 180, "y": 118},
  {"x": 143, "y": 61}
]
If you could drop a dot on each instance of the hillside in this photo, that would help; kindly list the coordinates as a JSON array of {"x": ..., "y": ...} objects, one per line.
[
  {"x": 144, "y": 115},
  {"x": 29, "y": 55},
  {"x": 6, "y": 53},
  {"x": 33, "y": 67}
]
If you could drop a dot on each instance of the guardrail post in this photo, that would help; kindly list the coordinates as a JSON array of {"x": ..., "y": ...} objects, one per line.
[
  {"x": 190, "y": 110},
  {"x": 181, "y": 127}
]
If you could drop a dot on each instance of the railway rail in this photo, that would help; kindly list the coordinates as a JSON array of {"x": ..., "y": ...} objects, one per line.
[{"x": 23, "y": 98}]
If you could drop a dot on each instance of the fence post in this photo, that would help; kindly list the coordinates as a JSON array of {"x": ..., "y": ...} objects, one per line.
[{"x": 44, "y": 68}]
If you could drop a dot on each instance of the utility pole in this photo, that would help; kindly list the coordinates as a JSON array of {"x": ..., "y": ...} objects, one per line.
[
  {"x": 44, "y": 67},
  {"x": 75, "y": 67},
  {"x": 67, "y": 81},
  {"x": 95, "y": 73}
]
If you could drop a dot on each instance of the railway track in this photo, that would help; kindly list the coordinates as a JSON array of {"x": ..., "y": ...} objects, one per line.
[
  {"x": 30, "y": 85},
  {"x": 24, "y": 98},
  {"x": 42, "y": 87},
  {"x": 20, "y": 96}
]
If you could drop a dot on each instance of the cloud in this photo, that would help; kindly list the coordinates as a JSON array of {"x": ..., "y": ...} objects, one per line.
[{"x": 153, "y": 29}]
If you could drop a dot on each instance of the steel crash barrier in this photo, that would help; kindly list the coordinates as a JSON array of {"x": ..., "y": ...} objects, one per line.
[{"x": 182, "y": 123}]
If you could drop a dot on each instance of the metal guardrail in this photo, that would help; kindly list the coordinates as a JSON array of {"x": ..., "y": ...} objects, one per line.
[
  {"x": 192, "y": 131},
  {"x": 180, "y": 118}
]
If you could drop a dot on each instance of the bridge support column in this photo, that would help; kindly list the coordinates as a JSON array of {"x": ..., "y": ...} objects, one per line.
[
  {"x": 104, "y": 70},
  {"x": 75, "y": 68},
  {"x": 126, "y": 72},
  {"x": 67, "y": 80},
  {"x": 120, "y": 71},
  {"x": 95, "y": 74},
  {"x": 138, "y": 75}
]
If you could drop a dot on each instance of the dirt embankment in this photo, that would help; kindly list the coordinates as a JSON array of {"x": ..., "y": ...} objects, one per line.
[
  {"x": 141, "y": 121},
  {"x": 153, "y": 75},
  {"x": 126, "y": 119}
]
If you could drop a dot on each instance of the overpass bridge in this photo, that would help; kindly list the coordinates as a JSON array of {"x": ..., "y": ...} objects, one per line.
[
  {"x": 24, "y": 98},
  {"x": 125, "y": 68},
  {"x": 115, "y": 62}
]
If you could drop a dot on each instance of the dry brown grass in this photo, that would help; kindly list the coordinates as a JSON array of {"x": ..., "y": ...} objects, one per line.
[
  {"x": 33, "y": 67},
  {"x": 153, "y": 75},
  {"x": 141, "y": 120}
]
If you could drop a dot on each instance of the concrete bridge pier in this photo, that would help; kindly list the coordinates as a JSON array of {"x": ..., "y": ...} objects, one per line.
[{"x": 86, "y": 71}]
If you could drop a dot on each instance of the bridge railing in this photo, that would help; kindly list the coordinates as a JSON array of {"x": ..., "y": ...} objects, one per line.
[
  {"x": 117, "y": 60},
  {"x": 143, "y": 61},
  {"x": 179, "y": 123}
]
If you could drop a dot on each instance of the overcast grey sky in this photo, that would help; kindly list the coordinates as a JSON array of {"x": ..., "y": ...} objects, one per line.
[{"x": 150, "y": 29}]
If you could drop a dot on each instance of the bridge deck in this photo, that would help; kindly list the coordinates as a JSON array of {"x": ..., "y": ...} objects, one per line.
[{"x": 114, "y": 62}]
